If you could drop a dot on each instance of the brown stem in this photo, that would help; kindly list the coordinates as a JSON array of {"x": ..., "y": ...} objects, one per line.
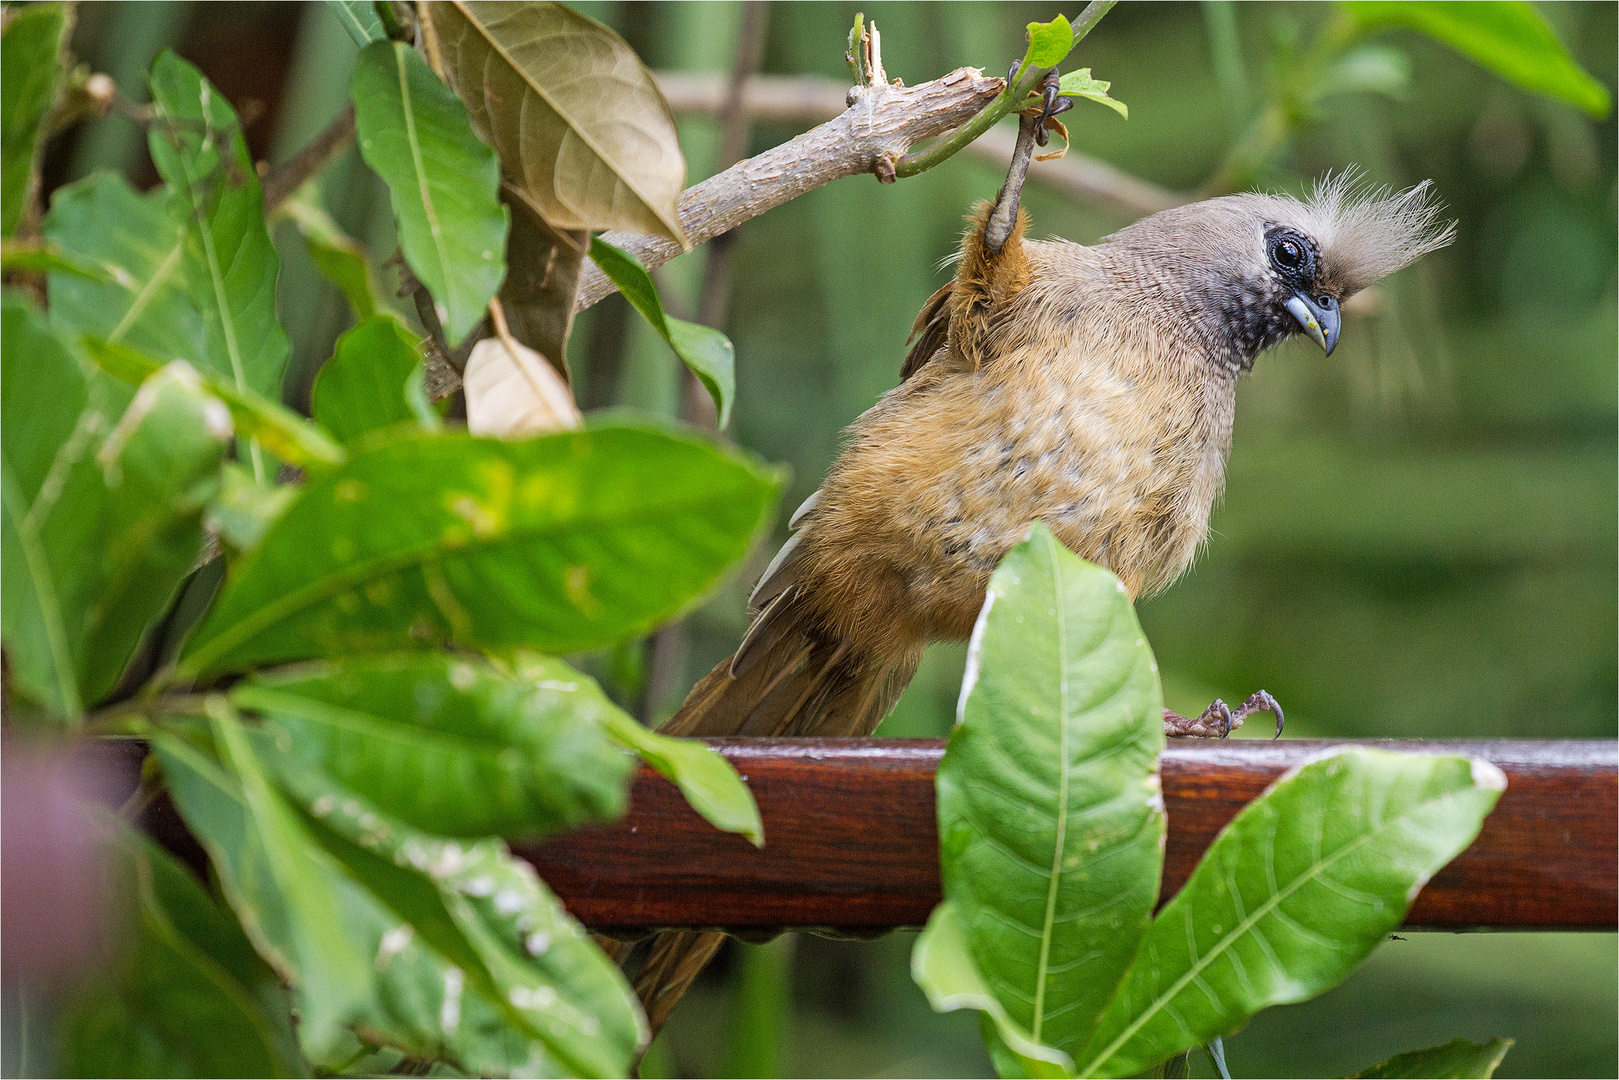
[{"x": 288, "y": 178}]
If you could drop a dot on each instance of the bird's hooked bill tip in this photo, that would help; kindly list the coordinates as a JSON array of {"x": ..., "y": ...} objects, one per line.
[{"x": 1318, "y": 319}]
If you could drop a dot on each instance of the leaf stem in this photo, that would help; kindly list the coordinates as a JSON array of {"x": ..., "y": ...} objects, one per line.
[{"x": 1012, "y": 99}]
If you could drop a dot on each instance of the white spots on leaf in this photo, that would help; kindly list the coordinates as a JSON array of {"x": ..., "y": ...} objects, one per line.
[
  {"x": 449, "y": 1013},
  {"x": 532, "y": 997},
  {"x": 508, "y": 901},
  {"x": 394, "y": 942},
  {"x": 323, "y": 806},
  {"x": 482, "y": 885},
  {"x": 537, "y": 943},
  {"x": 556, "y": 684}
]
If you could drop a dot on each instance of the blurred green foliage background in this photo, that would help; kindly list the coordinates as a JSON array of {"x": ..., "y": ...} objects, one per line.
[{"x": 1419, "y": 533}]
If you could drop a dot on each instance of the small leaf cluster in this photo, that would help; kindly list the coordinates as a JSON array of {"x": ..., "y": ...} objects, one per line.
[
  {"x": 1051, "y": 837},
  {"x": 339, "y": 637}
]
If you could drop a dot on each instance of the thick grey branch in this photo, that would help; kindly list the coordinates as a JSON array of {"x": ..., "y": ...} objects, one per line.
[
  {"x": 811, "y": 99},
  {"x": 882, "y": 123}
]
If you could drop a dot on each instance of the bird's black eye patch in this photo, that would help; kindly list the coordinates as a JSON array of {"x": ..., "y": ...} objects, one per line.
[{"x": 1292, "y": 255}]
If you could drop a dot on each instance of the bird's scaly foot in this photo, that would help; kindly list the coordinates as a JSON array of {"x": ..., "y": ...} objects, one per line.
[{"x": 1218, "y": 720}]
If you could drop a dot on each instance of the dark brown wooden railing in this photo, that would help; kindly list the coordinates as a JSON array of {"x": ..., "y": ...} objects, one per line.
[{"x": 852, "y": 843}]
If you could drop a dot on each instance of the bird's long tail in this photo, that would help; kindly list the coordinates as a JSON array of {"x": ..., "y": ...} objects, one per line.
[{"x": 785, "y": 680}]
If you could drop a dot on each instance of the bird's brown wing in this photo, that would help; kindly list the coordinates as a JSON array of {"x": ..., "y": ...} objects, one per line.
[{"x": 929, "y": 332}]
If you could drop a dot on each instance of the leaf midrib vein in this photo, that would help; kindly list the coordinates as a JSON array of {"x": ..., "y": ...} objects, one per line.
[
  {"x": 379, "y": 566},
  {"x": 1202, "y": 963},
  {"x": 573, "y": 128}
]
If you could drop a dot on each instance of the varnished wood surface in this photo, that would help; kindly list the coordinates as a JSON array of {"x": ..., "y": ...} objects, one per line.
[{"x": 851, "y": 840}]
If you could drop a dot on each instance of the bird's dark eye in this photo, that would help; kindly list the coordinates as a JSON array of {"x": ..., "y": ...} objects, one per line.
[
  {"x": 1288, "y": 254},
  {"x": 1324, "y": 300}
]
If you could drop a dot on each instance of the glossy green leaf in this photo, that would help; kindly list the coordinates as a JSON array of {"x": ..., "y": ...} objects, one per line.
[
  {"x": 706, "y": 351},
  {"x": 1455, "y": 1060},
  {"x": 450, "y": 745},
  {"x": 942, "y": 965},
  {"x": 1049, "y": 43},
  {"x": 442, "y": 180},
  {"x": 1079, "y": 84},
  {"x": 244, "y": 508},
  {"x": 562, "y": 1008},
  {"x": 139, "y": 242},
  {"x": 359, "y": 20},
  {"x": 1509, "y": 37},
  {"x": 271, "y": 424},
  {"x": 581, "y": 128},
  {"x": 231, "y": 265},
  {"x": 1051, "y": 819},
  {"x": 102, "y": 517},
  {"x": 706, "y": 779},
  {"x": 339, "y": 257},
  {"x": 559, "y": 543},
  {"x": 423, "y": 987},
  {"x": 1302, "y": 885},
  {"x": 362, "y": 387},
  {"x": 29, "y": 66},
  {"x": 185, "y": 995}
]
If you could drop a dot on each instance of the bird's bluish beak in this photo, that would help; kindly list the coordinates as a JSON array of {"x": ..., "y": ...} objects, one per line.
[{"x": 1319, "y": 320}]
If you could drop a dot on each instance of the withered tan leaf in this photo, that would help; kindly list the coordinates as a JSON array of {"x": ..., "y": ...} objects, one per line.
[
  {"x": 542, "y": 279},
  {"x": 514, "y": 396},
  {"x": 579, "y": 124}
]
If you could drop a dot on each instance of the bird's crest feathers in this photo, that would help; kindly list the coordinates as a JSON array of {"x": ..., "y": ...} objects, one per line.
[{"x": 1366, "y": 234}]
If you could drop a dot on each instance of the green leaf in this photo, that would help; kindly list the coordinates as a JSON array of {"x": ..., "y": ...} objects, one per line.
[
  {"x": 581, "y": 128},
  {"x": 29, "y": 66},
  {"x": 139, "y": 242},
  {"x": 424, "y": 988},
  {"x": 185, "y": 996},
  {"x": 559, "y": 543},
  {"x": 362, "y": 387},
  {"x": 442, "y": 180},
  {"x": 338, "y": 256},
  {"x": 102, "y": 521},
  {"x": 290, "y": 900},
  {"x": 942, "y": 965},
  {"x": 245, "y": 508},
  {"x": 1290, "y": 897},
  {"x": 271, "y": 424},
  {"x": 359, "y": 19},
  {"x": 1051, "y": 819},
  {"x": 706, "y": 779},
  {"x": 1455, "y": 1060},
  {"x": 1079, "y": 84},
  {"x": 1509, "y": 37},
  {"x": 449, "y": 744},
  {"x": 706, "y": 351},
  {"x": 1049, "y": 43},
  {"x": 198, "y": 147},
  {"x": 527, "y": 968}
]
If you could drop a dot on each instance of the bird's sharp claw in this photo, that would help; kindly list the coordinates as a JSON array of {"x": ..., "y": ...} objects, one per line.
[{"x": 1219, "y": 720}]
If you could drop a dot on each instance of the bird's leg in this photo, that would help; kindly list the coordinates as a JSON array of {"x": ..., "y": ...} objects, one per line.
[
  {"x": 1218, "y": 720},
  {"x": 1031, "y": 131}
]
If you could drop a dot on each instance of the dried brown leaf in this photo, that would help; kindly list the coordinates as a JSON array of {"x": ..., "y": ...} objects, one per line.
[{"x": 580, "y": 126}]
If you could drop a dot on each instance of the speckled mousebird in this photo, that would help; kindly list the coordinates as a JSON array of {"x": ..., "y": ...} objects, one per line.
[{"x": 1089, "y": 388}]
